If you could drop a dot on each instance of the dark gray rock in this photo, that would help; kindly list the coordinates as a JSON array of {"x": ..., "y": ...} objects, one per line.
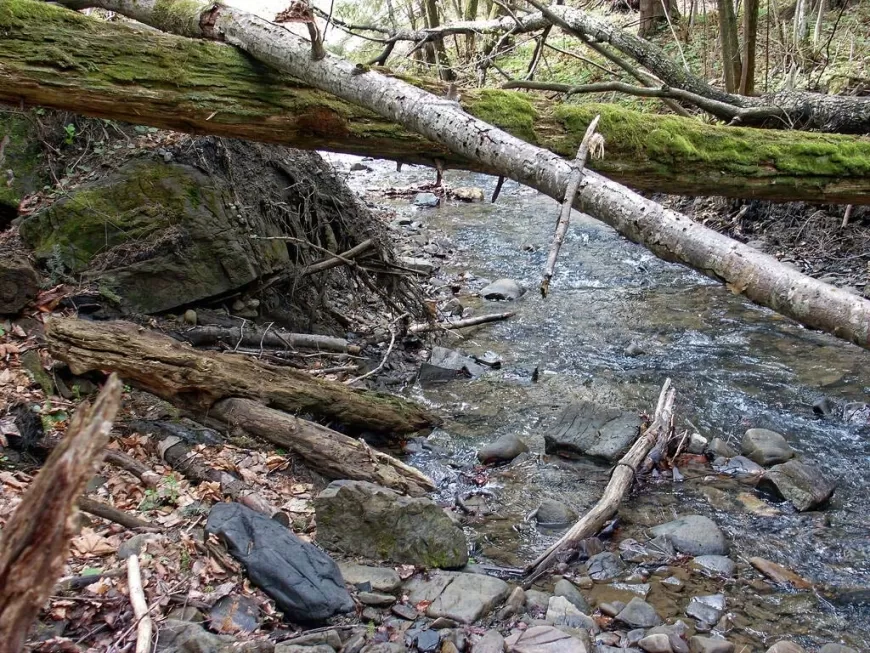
[
  {"x": 554, "y": 514},
  {"x": 718, "y": 448},
  {"x": 639, "y": 614},
  {"x": 715, "y": 565},
  {"x": 361, "y": 518},
  {"x": 605, "y": 566},
  {"x": 358, "y": 166},
  {"x": 285, "y": 647},
  {"x": 804, "y": 486},
  {"x": 427, "y": 200},
  {"x": 706, "y": 609},
  {"x": 405, "y": 611},
  {"x": 184, "y": 636},
  {"x": 694, "y": 535},
  {"x": 824, "y": 406},
  {"x": 376, "y": 598},
  {"x": 490, "y": 359},
  {"x": 561, "y": 612},
  {"x": 740, "y": 466},
  {"x": 384, "y": 647},
  {"x": 766, "y": 447},
  {"x": 448, "y": 365},
  {"x": 567, "y": 589},
  {"x": 305, "y": 583},
  {"x": 427, "y": 640},
  {"x": 233, "y": 614},
  {"x": 502, "y": 289},
  {"x": 421, "y": 265},
  {"x": 585, "y": 429},
  {"x": 504, "y": 449},
  {"x": 330, "y": 638}
]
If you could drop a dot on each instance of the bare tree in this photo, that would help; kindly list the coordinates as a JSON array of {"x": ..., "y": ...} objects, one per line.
[
  {"x": 750, "y": 39},
  {"x": 729, "y": 44}
]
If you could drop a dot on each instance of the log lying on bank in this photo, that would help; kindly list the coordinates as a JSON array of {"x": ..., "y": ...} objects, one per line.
[
  {"x": 53, "y": 58},
  {"x": 35, "y": 540},
  {"x": 197, "y": 380},
  {"x": 202, "y": 336}
]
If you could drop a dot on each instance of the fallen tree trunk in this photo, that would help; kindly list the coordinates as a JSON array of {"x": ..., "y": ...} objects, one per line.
[
  {"x": 35, "y": 540},
  {"x": 197, "y": 380},
  {"x": 68, "y": 61},
  {"x": 670, "y": 235},
  {"x": 255, "y": 336}
]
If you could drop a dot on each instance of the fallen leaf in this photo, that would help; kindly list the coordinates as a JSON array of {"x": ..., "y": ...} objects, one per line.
[{"x": 90, "y": 544}]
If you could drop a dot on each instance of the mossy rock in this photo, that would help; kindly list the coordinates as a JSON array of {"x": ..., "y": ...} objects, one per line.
[{"x": 21, "y": 164}]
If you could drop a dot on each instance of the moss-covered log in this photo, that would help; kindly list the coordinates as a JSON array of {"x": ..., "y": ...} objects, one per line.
[
  {"x": 197, "y": 380},
  {"x": 52, "y": 57}
]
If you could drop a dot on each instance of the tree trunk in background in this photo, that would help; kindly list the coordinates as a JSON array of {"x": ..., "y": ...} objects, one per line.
[
  {"x": 652, "y": 14},
  {"x": 800, "y": 23},
  {"x": 750, "y": 39},
  {"x": 470, "y": 39},
  {"x": 729, "y": 44},
  {"x": 445, "y": 72}
]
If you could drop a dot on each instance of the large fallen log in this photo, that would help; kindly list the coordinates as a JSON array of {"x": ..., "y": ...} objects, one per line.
[
  {"x": 109, "y": 70},
  {"x": 34, "y": 543},
  {"x": 197, "y": 380},
  {"x": 668, "y": 234}
]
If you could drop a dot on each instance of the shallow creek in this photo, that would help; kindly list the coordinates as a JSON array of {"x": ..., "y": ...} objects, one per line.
[{"x": 734, "y": 365}]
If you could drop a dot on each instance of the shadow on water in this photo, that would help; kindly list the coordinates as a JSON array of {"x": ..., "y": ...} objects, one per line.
[{"x": 735, "y": 366}]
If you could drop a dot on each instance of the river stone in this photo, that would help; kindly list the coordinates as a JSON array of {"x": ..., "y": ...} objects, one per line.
[
  {"x": 567, "y": 589},
  {"x": 786, "y": 646},
  {"x": 504, "y": 449},
  {"x": 713, "y": 564},
  {"x": 639, "y": 614},
  {"x": 376, "y": 598},
  {"x": 448, "y": 365},
  {"x": 458, "y": 596},
  {"x": 561, "y": 612},
  {"x": 694, "y": 535},
  {"x": 381, "y": 579},
  {"x": 804, "y": 486},
  {"x": 361, "y": 518},
  {"x": 468, "y": 194},
  {"x": 766, "y": 447},
  {"x": 285, "y": 647},
  {"x": 837, "y": 648},
  {"x": 429, "y": 200},
  {"x": 605, "y": 566},
  {"x": 502, "y": 289},
  {"x": 554, "y": 514},
  {"x": 706, "y": 609},
  {"x": 233, "y": 614},
  {"x": 585, "y": 429},
  {"x": 719, "y": 448},
  {"x": 491, "y": 642},
  {"x": 740, "y": 466},
  {"x": 537, "y": 601},
  {"x": 182, "y": 636},
  {"x": 699, "y": 644},
  {"x": 659, "y": 643},
  {"x": 544, "y": 639},
  {"x": 384, "y": 647},
  {"x": 305, "y": 583}
]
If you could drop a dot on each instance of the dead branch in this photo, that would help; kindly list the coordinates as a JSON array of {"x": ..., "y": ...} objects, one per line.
[
  {"x": 140, "y": 605},
  {"x": 235, "y": 337},
  {"x": 344, "y": 258},
  {"x": 112, "y": 514},
  {"x": 119, "y": 459},
  {"x": 459, "y": 324}
]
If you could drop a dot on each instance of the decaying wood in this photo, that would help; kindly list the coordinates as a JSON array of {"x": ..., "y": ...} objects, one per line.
[
  {"x": 119, "y": 459},
  {"x": 19, "y": 282},
  {"x": 197, "y": 380},
  {"x": 459, "y": 324},
  {"x": 35, "y": 540},
  {"x": 144, "y": 626},
  {"x": 620, "y": 483},
  {"x": 105, "y": 511},
  {"x": 344, "y": 258},
  {"x": 331, "y": 454},
  {"x": 567, "y": 206},
  {"x": 258, "y": 337}
]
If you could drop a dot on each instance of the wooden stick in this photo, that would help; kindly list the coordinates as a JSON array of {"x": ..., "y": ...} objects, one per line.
[
  {"x": 459, "y": 324},
  {"x": 620, "y": 483},
  {"x": 846, "y": 215},
  {"x": 497, "y": 190},
  {"x": 117, "y": 458},
  {"x": 140, "y": 605},
  {"x": 105, "y": 511},
  {"x": 263, "y": 338},
  {"x": 565, "y": 214},
  {"x": 36, "y": 538},
  {"x": 339, "y": 259}
]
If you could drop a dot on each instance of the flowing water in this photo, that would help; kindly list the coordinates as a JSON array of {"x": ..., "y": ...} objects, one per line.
[{"x": 734, "y": 365}]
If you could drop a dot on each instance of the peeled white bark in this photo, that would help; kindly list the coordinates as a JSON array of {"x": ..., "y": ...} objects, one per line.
[{"x": 670, "y": 235}]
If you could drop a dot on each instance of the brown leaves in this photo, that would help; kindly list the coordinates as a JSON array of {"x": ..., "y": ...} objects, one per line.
[{"x": 92, "y": 545}]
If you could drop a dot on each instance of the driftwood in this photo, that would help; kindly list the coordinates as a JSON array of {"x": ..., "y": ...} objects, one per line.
[
  {"x": 112, "y": 514},
  {"x": 620, "y": 483},
  {"x": 331, "y": 454},
  {"x": 34, "y": 541},
  {"x": 458, "y": 324},
  {"x": 197, "y": 380},
  {"x": 256, "y": 337}
]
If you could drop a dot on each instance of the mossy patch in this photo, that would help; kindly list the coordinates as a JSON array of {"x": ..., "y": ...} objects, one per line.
[
  {"x": 179, "y": 16},
  {"x": 507, "y": 110},
  {"x": 22, "y": 154}
]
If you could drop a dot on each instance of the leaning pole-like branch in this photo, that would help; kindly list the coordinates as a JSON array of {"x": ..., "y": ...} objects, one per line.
[
  {"x": 567, "y": 204},
  {"x": 35, "y": 540},
  {"x": 140, "y": 605},
  {"x": 670, "y": 235},
  {"x": 620, "y": 483}
]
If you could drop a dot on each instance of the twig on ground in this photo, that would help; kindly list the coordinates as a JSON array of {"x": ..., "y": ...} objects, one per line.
[{"x": 140, "y": 606}]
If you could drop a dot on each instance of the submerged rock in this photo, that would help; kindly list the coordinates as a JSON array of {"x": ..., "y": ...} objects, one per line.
[
  {"x": 694, "y": 535},
  {"x": 545, "y": 639},
  {"x": 554, "y": 514},
  {"x": 699, "y": 644},
  {"x": 304, "y": 582},
  {"x": 804, "y": 486},
  {"x": 786, "y": 646},
  {"x": 605, "y": 566},
  {"x": 766, "y": 447},
  {"x": 448, "y": 365},
  {"x": 427, "y": 200},
  {"x": 585, "y": 429},
  {"x": 706, "y": 609},
  {"x": 715, "y": 564},
  {"x": 779, "y": 574},
  {"x": 502, "y": 289},
  {"x": 465, "y": 598},
  {"x": 504, "y": 449},
  {"x": 362, "y": 518},
  {"x": 740, "y": 466}
]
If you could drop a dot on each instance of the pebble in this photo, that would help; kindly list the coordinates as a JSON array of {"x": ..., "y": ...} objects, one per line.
[
  {"x": 514, "y": 603},
  {"x": 706, "y": 609},
  {"x": 426, "y": 200},
  {"x": 659, "y": 643},
  {"x": 427, "y": 640},
  {"x": 673, "y": 583},
  {"x": 502, "y": 289},
  {"x": 375, "y": 598},
  {"x": 719, "y": 447},
  {"x": 639, "y": 614},
  {"x": 700, "y": 644},
  {"x": 404, "y": 611},
  {"x": 694, "y": 535},
  {"x": 554, "y": 514},
  {"x": 779, "y": 574},
  {"x": 567, "y": 589},
  {"x": 505, "y": 448},
  {"x": 611, "y": 609},
  {"x": 697, "y": 443}
]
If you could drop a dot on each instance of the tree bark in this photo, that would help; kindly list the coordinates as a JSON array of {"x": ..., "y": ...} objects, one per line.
[
  {"x": 197, "y": 380},
  {"x": 114, "y": 71},
  {"x": 35, "y": 540},
  {"x": 750, "y": 39},
  {"x": 670, "y": 235},
  {"x": 729, "y": 44}
]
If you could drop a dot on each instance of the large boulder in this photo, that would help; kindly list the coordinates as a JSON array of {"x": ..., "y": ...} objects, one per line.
[
  {"x": 361, "y": 518},
  {"x": 804, "y": 486},
  {"x": 585, "y": 429},
  {"x": 766, "y": 447},
  {"x": 694, "y": 535},
  {"x": 304, "y": 582}
]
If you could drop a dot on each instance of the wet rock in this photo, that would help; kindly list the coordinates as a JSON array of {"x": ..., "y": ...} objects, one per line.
[
  {"x": 856, "y": 412},
  {"x": 469, "y": 194},
  {"x": 405, "y": 611},
  {"x": 699, "y": 644},
  {"x": 566, "y": 588},
  {"x": 561, "y": 612},
  {"x": 715, "y": 565},
  {"x": 427, "y": 640},
  {"x": 605, "y": 566},
  {"x": 634, "y": 349},
  {"x": 376, "y": 599},
  {"x": 740, "y": 466},
  {"x": 639, "y": 614},
  {"x": 426, "y": 200},
  {"x": 766, "y": 447},
  {"x": 641, "y": 589},
  {"x": 380, "y": 579},
  {"x": 786, "y": 646},
  {"x": 836, "y": 648},
  {"x": 329, "y": 637},
  {"x": 824, "y": 406},
  {"x": 554, "y": 514},
  {"x": 718, "y": 448},
  {"x": 673, "y": 583},
  {"x": 490, "y": 359},
  {"x": 803, "y": 486},
  {"x": 491, "y": 642},
  {"x": 504, "y": 449},
  {"x": 544, "y": 639},
  {"x": 447, "y": 365},
  {"x": 657, "y": 551},
  {"x": 421, "y": 265},
  {"x": 305, "y": 583},
  {"x": 361, "y": 518},
  {"x": 585, "y": 429},
  {"x": 611, "y": 609},
  {"x": 706, "y": 609},
  {"x": 358, "y": 166},
  {"x": 234, "y": 614},
  {"x": 779, "y": 574},
  {"x": 502, "y": 289},
  {"x": 697, "y": 443},
  {"x": 694, "y": 535},
  {"x": 461, "y": 597}
]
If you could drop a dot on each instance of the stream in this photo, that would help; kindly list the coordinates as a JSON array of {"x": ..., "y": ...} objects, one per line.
[{"x": 734, "y": 366}]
